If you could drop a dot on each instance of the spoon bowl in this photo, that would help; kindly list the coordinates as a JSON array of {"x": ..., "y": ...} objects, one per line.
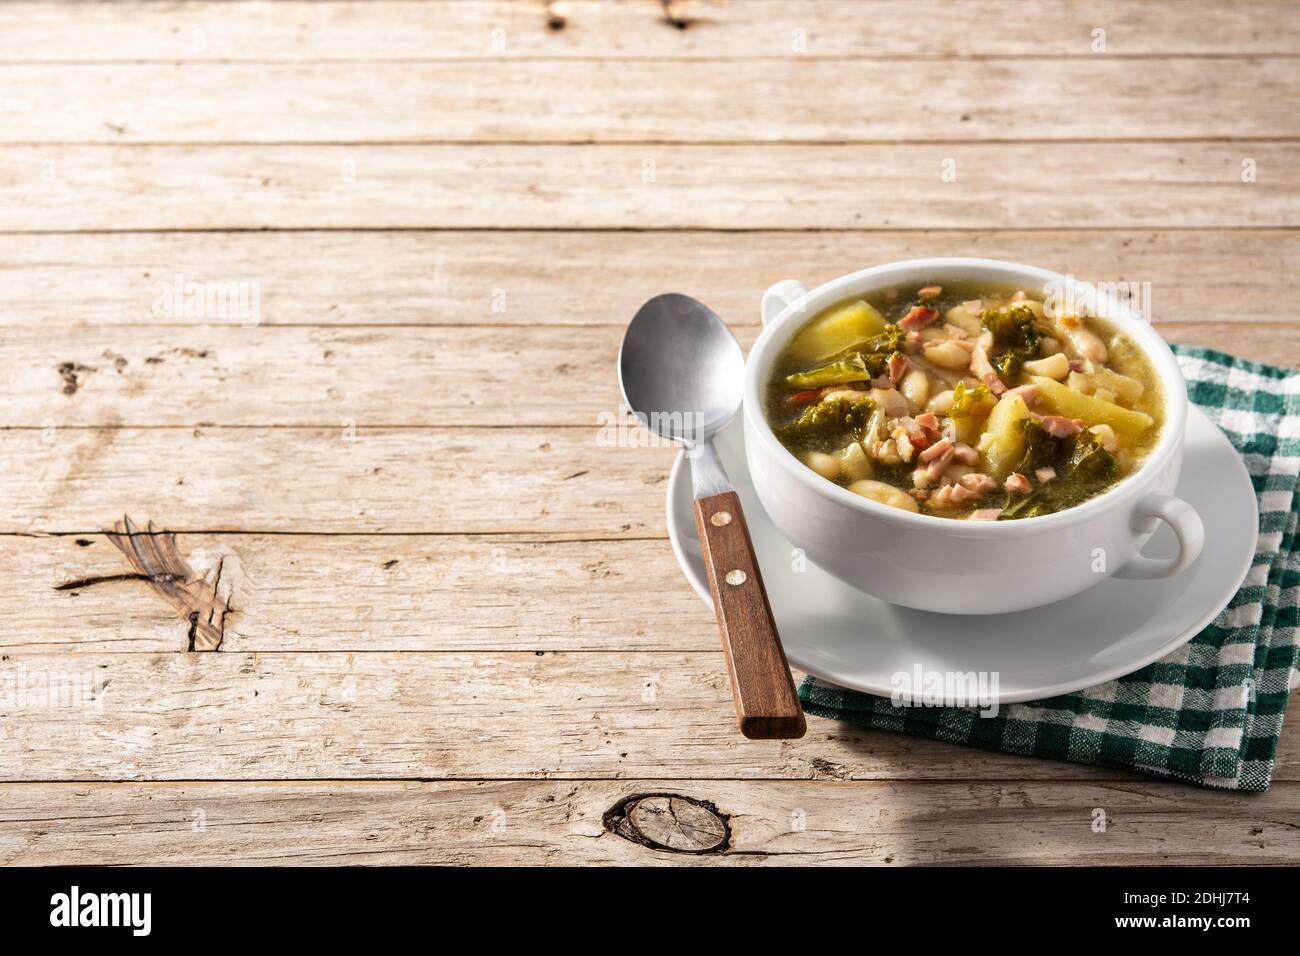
[{"x": 681, "y": 369}]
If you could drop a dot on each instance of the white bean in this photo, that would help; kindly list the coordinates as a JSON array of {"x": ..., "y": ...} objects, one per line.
[
  {"x": 1086, "y": 345},
  {"x": 1054, "y": 366},
  {"x": 962, "y": 317},
  {"x": 890, "y": 401},
  {"x": 1106, "y": 435},
  {"x": 885, "y": 494},
  {"x": 948, "y": 355},
  {"x": 828, "y": 466},
  {"x": 916, "y": 386},
  {"x": 941, "y": 404}
]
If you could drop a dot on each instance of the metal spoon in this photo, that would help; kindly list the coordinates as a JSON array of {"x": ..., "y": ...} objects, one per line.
[{"x": 681, "y": 371}]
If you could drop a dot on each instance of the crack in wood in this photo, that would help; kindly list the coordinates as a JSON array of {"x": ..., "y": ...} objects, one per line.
[
  {"x": 82, "y": 583},
  {"x": 203, "y": 603},
  {"x": 670, "y": 822}
]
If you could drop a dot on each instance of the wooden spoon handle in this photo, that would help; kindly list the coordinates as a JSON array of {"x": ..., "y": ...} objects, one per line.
[{"x": 766, "y": 702}]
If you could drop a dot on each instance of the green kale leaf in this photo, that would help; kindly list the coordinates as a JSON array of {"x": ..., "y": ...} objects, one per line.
[{"x": 1016, "y": 339}]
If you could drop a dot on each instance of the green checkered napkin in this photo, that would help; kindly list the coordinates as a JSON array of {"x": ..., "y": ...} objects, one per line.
[{"x": 1209, "y": 713}]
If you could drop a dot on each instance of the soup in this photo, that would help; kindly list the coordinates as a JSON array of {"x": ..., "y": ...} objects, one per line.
[{"x": 965, "y": 402}]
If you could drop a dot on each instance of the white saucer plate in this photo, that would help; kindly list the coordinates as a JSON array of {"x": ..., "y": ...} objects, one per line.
[{"x": 845, "y": 636}]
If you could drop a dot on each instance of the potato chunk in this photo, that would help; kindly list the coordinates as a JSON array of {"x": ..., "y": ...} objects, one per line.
[
  {"x": 1062, "y": 400},
  {"x": 836, "y": 330},
  {"x": 1003, "y": 441}
]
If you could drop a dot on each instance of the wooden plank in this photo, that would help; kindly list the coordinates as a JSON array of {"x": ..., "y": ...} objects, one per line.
[
  {"x": 453, "y": 29},
  {"x": 359, "y": 593},
  {"x": 1055, "y": 186},
  {"x": 583, "y": 278},
  {"x": 585, "y": 481},
  {"x": 245, "y": 716},
  {"x": 541, "y": 822},
  {"x": 363, "y": 593},
  {"x": 378, "y": 377},
  {"x": 651, "y": 101}
]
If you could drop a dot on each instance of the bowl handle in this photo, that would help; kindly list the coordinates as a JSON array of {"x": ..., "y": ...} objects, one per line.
[
  {"x": 779, "y": 297},
  {"x": 1180, "y": 516}
]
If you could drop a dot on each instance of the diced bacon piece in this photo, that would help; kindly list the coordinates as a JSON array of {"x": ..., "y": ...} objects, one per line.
[
  {"x": 983, "y": 369},
  {"x": 984, "y": 514},
  {"x": 913, "y": 342},
  {"x": 929, "y": 291},
  {"x": 920, "y": 494},
  {"x": 1027, "y": 392},
  {"x": 1058, "y": 426},
  {"x": 928, "y": 422},
  {"x": 978, "y": 482},
  {"x": 965, "y": 454},
  {"x": 949, "y": 496},
  {"x": 898, "y": 366},
  {"x": 1045, "y": 474},
  {"x": 915, "y": 433},
  {"x": 1018, "y": 484},
  {"x": 937, "y": 450},
  {"x": 985, "y": 341},
  {"x": 918, "y": 318},
  {"x": 935, "y": 468}
]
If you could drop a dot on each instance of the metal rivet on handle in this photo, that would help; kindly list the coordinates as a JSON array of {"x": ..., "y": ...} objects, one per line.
[
  {"x": 720, "y": 518},
  {"x": 736, "y": 577}
]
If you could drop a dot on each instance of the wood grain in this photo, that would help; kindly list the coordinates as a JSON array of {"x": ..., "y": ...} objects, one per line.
[
  {"x": 767, "y": 706},
  {"x": 289, "y": 716},
  {"x": 558, "y": 822},
  {"x": 379, "y": 377},
  {"x": 660, "y": 101},
  {"x": 307, "y": 592},
  {"x": 583, "y": 481},
  {"x": 532, "y": 278},
  {"x": 1018, "y": 185},
  {"x": 713, "y": 29}
]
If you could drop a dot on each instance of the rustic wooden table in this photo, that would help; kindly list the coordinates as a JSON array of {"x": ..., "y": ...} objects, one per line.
[{"x": 332, "y": 293}]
